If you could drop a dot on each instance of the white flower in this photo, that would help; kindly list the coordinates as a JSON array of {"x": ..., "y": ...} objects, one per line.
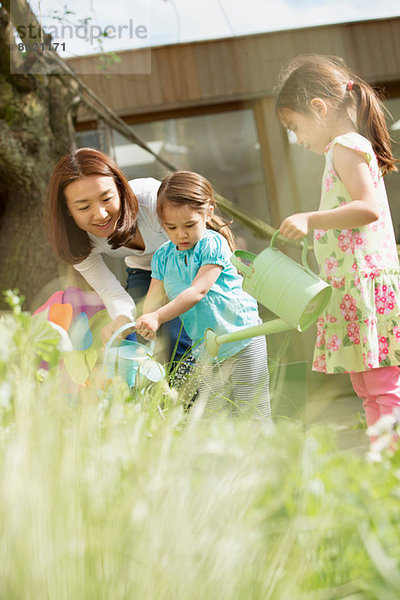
[
  {"x": 383, "y": 425},
  {"x": 382, "y": 443},
  {"x": 7, "y": 329},
  {"x": 396, "y": 413},
  {"x": 5, "y": 395},
  {"x": 374, "y": 457},
  {"x": 316, "y": 487},
  {"x": 140, "y": 511},
  {"x": 42, "y": 374}
]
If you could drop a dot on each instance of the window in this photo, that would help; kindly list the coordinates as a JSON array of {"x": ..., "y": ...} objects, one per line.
[{"x": 221, "y": 146}]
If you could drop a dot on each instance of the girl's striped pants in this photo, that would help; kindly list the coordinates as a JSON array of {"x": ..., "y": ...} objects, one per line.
[{"x": 238, "y": 385}]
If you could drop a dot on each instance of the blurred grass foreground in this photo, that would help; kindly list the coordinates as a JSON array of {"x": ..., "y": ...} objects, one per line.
[{"x": 121, "y": 495}]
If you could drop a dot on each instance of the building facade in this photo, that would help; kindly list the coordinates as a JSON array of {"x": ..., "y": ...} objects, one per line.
[{"x": 208, "y": 106}]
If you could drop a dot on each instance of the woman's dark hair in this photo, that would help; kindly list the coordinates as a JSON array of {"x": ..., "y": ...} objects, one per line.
[
  {"x": 328, "y": 77},
  {"x": 187, "y": 187},
  {"x": 67, "y": 240}
]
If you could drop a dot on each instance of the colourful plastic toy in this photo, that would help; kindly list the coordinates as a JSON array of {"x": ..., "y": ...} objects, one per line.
[{"x": 61, "y": 314}]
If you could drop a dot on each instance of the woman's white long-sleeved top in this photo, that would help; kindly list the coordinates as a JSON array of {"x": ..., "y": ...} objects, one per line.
[{"x": 115, "y": 298}]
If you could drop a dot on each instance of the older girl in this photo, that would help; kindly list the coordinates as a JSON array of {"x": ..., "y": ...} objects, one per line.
[{"x": 335, "y": 113}]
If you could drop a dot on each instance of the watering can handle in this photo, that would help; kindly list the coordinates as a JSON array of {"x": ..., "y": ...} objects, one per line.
[
  {"x": 121, "y": 330},
  {"x": 114, "y": 337},
  {"x": 241, "y": 266},
  {"x": 303, "y": 254}
]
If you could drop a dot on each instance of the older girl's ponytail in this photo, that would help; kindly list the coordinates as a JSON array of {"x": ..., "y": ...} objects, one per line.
[{"x": 372, "y": 125}]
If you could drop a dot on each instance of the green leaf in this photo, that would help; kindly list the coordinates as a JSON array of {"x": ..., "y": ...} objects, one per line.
[
  {"x": 42, "y": 337},
  {"x": 385, "y": 363},
  {"x": 397, "y": 354},
  {"x": 347, "y": 341}
]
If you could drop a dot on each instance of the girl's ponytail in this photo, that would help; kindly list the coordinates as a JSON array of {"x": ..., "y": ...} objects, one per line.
[
  {"x": 217, "y": 224},
  {"x": 372, "y": 125}
]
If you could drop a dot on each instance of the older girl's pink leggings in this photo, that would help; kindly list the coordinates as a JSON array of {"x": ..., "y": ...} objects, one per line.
[{"x": 379, "y": 389}]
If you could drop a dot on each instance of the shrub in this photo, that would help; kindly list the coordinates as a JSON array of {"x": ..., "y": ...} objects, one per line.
[{"x": 115, "y": 494}]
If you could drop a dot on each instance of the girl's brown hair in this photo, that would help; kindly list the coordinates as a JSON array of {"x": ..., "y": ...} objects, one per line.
[
  {"x": 67, "y": 240},
  {"x": 328, "y": 77},
  {"x": 187, "y": 187}
]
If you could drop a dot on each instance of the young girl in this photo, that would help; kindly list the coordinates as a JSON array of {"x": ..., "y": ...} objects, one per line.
[
  {"x": 194, "y": 271},
  {"x": 332, "y": 111}
]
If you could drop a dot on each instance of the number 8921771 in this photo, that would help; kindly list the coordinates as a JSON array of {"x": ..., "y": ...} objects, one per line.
[{"x": 41, "y": 47}]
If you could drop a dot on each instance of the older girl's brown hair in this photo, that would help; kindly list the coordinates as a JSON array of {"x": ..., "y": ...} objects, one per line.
[
  {"x": 187, "y": 187},
  {"x": 67, "y": 240},
  {"x": 328, "y": 77}
]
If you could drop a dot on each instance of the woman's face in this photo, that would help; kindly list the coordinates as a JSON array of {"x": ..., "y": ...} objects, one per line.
[{"x": 94, "y": 204}]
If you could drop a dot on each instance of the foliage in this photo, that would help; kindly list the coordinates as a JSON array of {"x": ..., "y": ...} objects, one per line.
[{"x": 114, "y": 494}]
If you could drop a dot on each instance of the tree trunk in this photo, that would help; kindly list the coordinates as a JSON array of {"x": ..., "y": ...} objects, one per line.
[{"x": 35, "y": 131}]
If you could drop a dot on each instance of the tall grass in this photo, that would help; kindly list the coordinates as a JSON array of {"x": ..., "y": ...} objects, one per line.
[{"x": 116, "y": 495}]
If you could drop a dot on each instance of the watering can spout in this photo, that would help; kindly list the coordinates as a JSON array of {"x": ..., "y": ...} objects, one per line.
[{"x": 214, "y": 341}]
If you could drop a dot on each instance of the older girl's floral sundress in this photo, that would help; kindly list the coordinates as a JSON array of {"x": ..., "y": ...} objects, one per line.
[{"x": 360, "y": 329}]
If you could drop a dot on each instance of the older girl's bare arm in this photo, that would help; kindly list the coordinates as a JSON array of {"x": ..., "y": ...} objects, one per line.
[{"x": 354, "y": 172}]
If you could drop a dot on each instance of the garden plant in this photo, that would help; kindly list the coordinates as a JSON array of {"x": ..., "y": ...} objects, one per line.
[{"x": 115, "y": 493}]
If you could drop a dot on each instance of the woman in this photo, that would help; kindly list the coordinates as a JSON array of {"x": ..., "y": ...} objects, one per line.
[{"x": 92, "y": 210}]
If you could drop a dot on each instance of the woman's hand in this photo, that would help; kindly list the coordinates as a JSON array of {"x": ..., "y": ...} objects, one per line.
[
  {"x": 296, "y": 226},
  {"x": 148, "y": 324},
  {"x": 112, "y": 327}
]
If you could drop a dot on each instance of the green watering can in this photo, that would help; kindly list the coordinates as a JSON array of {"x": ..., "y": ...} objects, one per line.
[{"x": 290, "y": 290}]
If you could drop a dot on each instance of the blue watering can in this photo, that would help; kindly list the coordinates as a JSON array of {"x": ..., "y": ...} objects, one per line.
[{"x": 131, "y": 358}]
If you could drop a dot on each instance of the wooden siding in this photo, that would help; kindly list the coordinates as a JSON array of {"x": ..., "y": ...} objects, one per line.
[{"x": 240, "y": 68}]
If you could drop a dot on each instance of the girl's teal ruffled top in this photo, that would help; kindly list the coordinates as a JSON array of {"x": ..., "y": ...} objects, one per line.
[{"x": 225, "y": 307}]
